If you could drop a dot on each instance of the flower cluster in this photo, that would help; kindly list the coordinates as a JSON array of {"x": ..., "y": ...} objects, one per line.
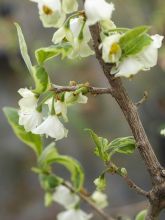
[
  {"x": 42, "y": 111},
  {"x": 32, "y": 118},
  {"x": 70, "y": 201},
  {"x": 119, "y": 46}
]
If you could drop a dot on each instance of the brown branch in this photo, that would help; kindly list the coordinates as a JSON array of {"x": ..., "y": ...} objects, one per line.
[
  {"x": 129, "y": 109},
  {"x": 85, "y": 198},
  {"x": 112, "y": 168},
  {"x": 130, "y": 112},
  {"x": 90, "y": 89},
  {"x": 135, "y": 187}
]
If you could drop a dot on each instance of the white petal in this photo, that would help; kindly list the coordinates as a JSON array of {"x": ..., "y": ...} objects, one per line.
[
  {"x": 69, "y": 6},
  {"x": 76, "y": 25},
  {"x": 52, "y": 127},
  {"x": 64, "y": 197},
  {"x": 54, "y": 5},
  {"x": 106, "y": 48},
  {"x": 157, "y": 40},
  {"x": 97, "y": 10},
  {"x": 61, "y": 108},
  {"x": 100, "y": 199},
  {"x": 80, "y": 49},
  {"x": 149, "y": 55},
  {"x": 54, "y": 20},
  {"x": 30, "y": 120},
  {"x": 24, "y": 92},
  {"x": 59, "y": 35},
  {"x": 128, "y": 67},
  {"x": 82, "y": 99},
  {"x": 74, "y": 215},
  {"x": 162, "y": 132},
  {"x": 29, "y": 101}
]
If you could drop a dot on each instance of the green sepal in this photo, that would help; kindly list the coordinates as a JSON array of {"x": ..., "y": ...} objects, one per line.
[
  {"x": 48, "y": 199},
  {"x": 32, "y": 140},
  {"x": 50, "y": 155},
  {"x": 49, "y": 182},
  {"x": 41, "y": 79},
  {"x": 134, "y": 41},
  {"x": 46, "y": 53}
]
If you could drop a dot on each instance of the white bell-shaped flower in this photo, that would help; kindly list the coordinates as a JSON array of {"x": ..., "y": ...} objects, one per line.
[
  {"x": 71, "y": 99},
  {"x": 98, "y": 10},
  {"x": 65, "y": 197},
  {"x": 111, "y": 51},
  {"x": 74, "y": 214},
  {"x": 51, "y": 12},
  {"x": 30, "y": 119},
  {"x": 78, "y": 35},
  {"x": 51, "y": 127},
  {"x": 144, "y": 60},
  {"x": 100, "y": 199}
]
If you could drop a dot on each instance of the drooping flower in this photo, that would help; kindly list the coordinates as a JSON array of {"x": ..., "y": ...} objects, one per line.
[
  {"x": 51, "y": 127},
  {"x": 100, "y": 199},
  {"x": 29, "y": 116},
  {"x": 51, "y": 12},
  {"x": 98, "y": 10},
  {"x": 77, "y": 33},
  {"x": 74, "y": 214},
  {"x": 65, "y": 197},
  {"x": 71, "y": 99},
  {"x": 111, "y": 51},
  {"x": 144, "y": 60}
]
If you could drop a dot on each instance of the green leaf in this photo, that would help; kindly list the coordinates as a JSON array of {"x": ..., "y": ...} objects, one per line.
[
  {"x": 133, "y": 41},
  {"x": 50, "y": 155},
  {"x": 32, "y": 140},
  {"x": 124, "y": 145},
  {"x": 141, "y": 215},
  {"x": 46, "y": 53},
  {"x": 41, "y": 79},
  {"x": 102, "y": 145},
  {"x": 23, "y": 48}
]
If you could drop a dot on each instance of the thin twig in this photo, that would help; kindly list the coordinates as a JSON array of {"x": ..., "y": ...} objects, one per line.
[
  {"x": 136, "y": 188},
  {"x": 113, "y": 169},
  {"x": 144, "y": 98},
  {"x": 89, "y": 202},
  {"x": 90, "y": 89}
]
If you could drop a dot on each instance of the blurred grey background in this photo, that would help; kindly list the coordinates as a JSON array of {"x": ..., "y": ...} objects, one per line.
[{"x": 21, "y": 197}]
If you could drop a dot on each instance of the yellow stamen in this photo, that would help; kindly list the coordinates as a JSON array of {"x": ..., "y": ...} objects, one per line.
[
  {"x": 114, "y": 49},
  {"x": 47, "y": 10}
]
